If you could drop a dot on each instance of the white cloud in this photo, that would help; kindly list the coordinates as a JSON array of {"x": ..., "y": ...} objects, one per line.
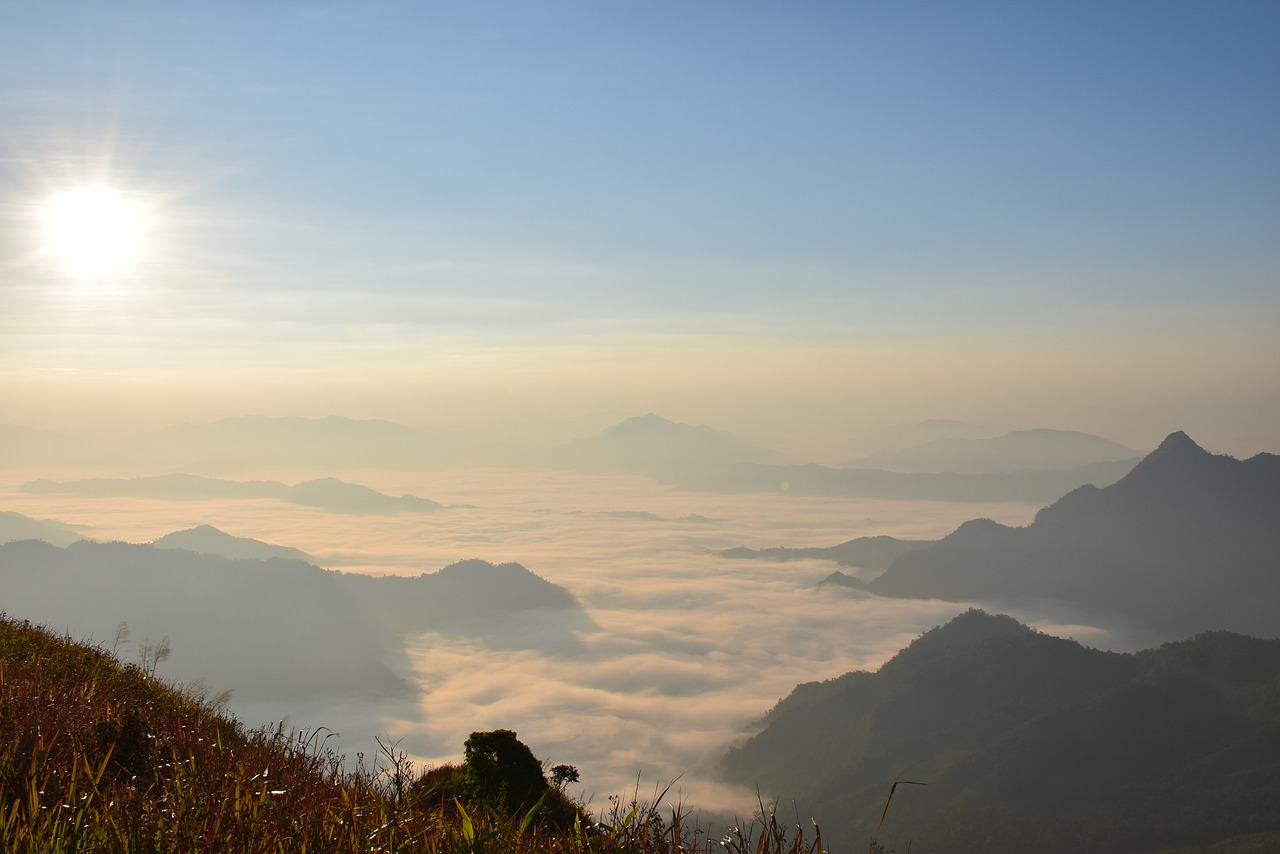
[{"x": 690, "y": 649}]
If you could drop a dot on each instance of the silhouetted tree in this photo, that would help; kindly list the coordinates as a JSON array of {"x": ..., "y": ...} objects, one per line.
[
  {"x": 503, "y": 770},
  {"x": 563, "y": 774}
]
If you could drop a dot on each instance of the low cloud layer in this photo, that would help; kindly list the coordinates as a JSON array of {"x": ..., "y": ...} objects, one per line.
[{"x": 691, "y": 647}]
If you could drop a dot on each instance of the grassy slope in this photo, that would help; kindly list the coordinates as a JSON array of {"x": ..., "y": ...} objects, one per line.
[{"x": 102, "y": 756}]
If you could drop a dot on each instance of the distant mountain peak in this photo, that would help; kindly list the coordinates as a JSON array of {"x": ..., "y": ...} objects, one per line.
[
  {"x": 1178, "y": 450},
  {"x": 1187, "y": 541},
  {"x": 649, "y": 422},
  {"x": 970, "y": 627},
  {"x": 976, "y": 623},
  {"x": 206, "y": 539},
  {"x": 1179, "y": 442}
]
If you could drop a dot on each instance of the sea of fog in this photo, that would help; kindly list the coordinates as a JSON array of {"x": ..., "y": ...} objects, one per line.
[{"x": 689, "y": 647}]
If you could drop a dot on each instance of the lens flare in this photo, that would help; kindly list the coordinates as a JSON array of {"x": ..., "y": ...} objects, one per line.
[{"x": 94, "y": 232}]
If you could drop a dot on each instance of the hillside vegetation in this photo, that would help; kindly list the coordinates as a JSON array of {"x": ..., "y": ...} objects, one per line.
[
  {"x": 1034, "y": 743},
  {"x": 103, "y": 756}
]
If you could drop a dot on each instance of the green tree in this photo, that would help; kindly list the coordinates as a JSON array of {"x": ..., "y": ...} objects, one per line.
[{"x": 502, "y": 770}]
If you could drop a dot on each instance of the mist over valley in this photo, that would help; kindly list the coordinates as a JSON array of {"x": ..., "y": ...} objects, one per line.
[
  {"x": 630, "y": 627},
  {"x": 640, "y": 428}
]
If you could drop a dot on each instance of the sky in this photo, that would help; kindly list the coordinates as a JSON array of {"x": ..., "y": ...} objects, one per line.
[{"x": 796, "y": 222}]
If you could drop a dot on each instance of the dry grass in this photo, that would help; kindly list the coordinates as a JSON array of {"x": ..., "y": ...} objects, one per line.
[{"x": 103, "y": 756}]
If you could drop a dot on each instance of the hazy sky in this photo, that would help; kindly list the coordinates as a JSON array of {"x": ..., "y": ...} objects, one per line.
[{"x": 793, "y": 221}]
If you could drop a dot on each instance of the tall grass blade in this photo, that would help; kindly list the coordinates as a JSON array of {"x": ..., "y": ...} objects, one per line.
[{"x": 888, "y": 801}]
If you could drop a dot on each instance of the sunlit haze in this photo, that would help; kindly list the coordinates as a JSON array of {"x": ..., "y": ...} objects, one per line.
[
  {"x": 537, "y": 220},
  {"x": 607, "y": 289},
  {"x": 94, "y": 232}
]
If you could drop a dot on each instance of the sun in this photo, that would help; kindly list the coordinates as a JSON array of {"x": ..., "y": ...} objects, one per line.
[{"x": 94, "y": 231}]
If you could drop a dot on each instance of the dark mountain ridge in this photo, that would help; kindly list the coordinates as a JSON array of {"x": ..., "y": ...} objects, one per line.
[
  {"x": 1033, "y": 743},
  {"x": 1187, "y": 541}
]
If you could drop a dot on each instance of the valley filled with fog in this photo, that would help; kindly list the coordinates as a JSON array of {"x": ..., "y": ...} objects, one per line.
[
  {"x": 683, "y": 648},
  {"x": 772, "y": 401}
]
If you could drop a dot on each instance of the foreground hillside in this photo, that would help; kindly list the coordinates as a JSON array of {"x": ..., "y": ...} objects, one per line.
[
  {"x": 1034, "y": 743},
  {"x": 100, "y": 756}
]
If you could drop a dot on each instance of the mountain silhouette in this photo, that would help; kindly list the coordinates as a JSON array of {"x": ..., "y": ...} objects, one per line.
[
  {"x": 472, "y": 597},
  {"x": 268, "y": 629},
  {"x": 899, "y": 437},
  {"x": 1032, "y": 743},
  {"x": 1187, "y": 541},
  {"x": 652, "y": 445},
  {"x": 206, "y": 539},
  {"x": 869, "y": 553},
  {"x": 15, "y": 526},
  {"x": 326, "y": 493}
]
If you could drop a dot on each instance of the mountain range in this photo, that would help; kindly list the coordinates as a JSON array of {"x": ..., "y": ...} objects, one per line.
[
  {"x": 1029, "y": 742},
  {"x": 1035, "y": 485},
  {"x": 326, "y": 493},
  {"x": 1187, "y": 541},
  {"x": 652, "y": 445},
  {"x": 15, "y": 526},
  {"x": 1035, "y": 465},
  {"x": 208, "y": 540},
  {"x": 701, "y": 458},
  {"x": 899, "y": 437},
  {"x": 867, "y": 553},
  {"x": 268, "y": 629}
]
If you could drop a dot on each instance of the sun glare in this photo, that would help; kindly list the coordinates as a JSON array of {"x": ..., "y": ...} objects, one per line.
[{"x": 94, "y": 232}]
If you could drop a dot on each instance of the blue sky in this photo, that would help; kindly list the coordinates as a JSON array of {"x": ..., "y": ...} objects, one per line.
[{"x": 382, "y": 185}]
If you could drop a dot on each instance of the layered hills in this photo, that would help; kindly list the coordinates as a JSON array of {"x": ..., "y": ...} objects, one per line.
[
  {"x": 325, "y": 493},
  {"x": 701, "y": 458},
  {"x": 900, "y": 437},
  {"x": 267, "y": 629},
  {"x": 652, "y": 445},
  {"x": 961, "y": 462},
  {"x": 866, "y": 553},
  {"x": 206, "y": 539},
  {"x": 1187, "y": 541},
  {"x": 1033, "y": 743},
  {"x": 16, "y": 526}
]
